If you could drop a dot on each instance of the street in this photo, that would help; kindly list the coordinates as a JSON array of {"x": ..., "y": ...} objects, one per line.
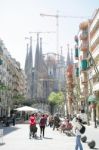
[{"x": 17, "y": 138}]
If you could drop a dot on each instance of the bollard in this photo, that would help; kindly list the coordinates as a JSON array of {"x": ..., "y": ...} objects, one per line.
[
  {"x": 84, "y": 139},
  {"x": 91, "y": 144}
]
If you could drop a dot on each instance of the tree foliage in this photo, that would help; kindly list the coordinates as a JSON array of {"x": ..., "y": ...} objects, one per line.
[
  {"x": 18, "y": 99},
  {"x": 56, "y": 98}
]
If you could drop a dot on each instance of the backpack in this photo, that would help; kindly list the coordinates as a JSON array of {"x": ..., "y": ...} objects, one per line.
[{"x": 82, "y": 130}]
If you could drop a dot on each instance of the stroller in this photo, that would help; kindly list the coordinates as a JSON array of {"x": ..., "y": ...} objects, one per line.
[{"x": 33, "y": 132}]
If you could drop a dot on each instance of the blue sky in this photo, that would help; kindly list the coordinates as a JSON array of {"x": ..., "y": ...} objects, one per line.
[{"x": 18, "y": 17}]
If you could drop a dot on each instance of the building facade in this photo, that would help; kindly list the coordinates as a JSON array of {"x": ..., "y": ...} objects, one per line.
[
  {"x": 12, "y": 81},
  {"x": 87, "y": 55},
  {"x": 93, "y": 59}
]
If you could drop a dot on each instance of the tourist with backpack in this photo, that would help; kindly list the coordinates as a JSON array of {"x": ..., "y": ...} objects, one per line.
[
  {"x": 78, "y": 131},
  {"x": 42, "y": 125}
]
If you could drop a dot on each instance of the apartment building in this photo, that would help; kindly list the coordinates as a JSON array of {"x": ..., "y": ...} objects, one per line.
[
  {"x": 87, "y": 67},
  {"x": 12, "y": 81},
  {"x": 93, "y": 72}
]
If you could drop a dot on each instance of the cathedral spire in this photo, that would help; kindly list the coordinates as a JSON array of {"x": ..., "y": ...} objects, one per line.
[
  {"x": 72, "y": 57},
  {"x": 68, "y": 61},
  {"x": 26, "y": 60},
  {"x": 30, "y": 57},
  {"x": 37, "y": 53},
  {"x": 41, "y": 46},
  {"x": 41, "y": 56}
]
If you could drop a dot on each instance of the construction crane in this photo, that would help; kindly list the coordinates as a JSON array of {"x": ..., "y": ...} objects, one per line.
[{"x": 57, "y": 16}]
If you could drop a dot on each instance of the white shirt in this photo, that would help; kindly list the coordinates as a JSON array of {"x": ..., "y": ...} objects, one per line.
[{"x": 77, "y": 127}]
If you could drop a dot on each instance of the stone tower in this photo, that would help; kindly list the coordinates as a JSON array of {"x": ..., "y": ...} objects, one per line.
[{"x": 28, "y": 70}]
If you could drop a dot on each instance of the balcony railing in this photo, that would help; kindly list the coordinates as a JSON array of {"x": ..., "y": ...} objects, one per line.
[
  {"x": 83, "y": 25},
  {"x": 84, "y": 46},
  {"x": 76, "y": 53},
  {"x": 95, "y": 38},
  {"x": 95, "y": 52},
  {"x": 77, "y": 72},
  {"x": 84, "y": 35}
]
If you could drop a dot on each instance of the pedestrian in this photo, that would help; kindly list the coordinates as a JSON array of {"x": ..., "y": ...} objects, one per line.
[
  {"x": 50, "y": 121},
  {"x": 13, "y": 119},
  {"x": 42, "y": 125},
  {"x": 56, "y": 122},
  {"x": 78, "y": 134},
  {"x": 33, "y": 128}
]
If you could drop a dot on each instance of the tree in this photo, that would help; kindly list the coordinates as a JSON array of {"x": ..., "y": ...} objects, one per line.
[
  {"x": 18, "y": 99},
  {"x": 55, "y": 99}
]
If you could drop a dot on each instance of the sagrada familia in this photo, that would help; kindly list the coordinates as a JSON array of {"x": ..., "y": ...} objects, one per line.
[{"x": 47, "y": 74}]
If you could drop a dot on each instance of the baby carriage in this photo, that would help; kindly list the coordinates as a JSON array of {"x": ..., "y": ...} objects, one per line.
[{"x": 33, "y": 131}]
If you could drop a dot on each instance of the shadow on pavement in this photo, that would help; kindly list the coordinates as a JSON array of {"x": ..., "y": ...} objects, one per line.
[
  {"x": 1, "y": 144},
  {"x": 8, "y": 130},
  {"x": 38, "y": 138},
  {"x": 48, "y": 138}
]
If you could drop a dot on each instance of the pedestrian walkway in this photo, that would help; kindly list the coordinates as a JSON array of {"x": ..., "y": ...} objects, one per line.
[{"x": 17, "y": 138}]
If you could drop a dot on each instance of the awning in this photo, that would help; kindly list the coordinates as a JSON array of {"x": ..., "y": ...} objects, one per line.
[
  {"x": 93, "y": 98},
  {"x": 96, "y": 87},
  {"x": 27, "y": 109}
]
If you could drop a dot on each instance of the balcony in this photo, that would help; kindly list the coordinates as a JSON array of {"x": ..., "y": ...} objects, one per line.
[
  {"x": 84, "y": 80},
  {"x": 84, "y": 46},
  {"x": 94, "y": 45},
  {"x": 76, "y": 53},
  {"x": 69, "y": 74},
  {"x": 84, "y": 65},
  {"x": 95, "y": 20},
  {"x": 70, "y": 81},
  {"x": 84, "y": 35},
  {"x": 77, "y": 72},
  {"x": 95, "y": 52},
  {"x": 96, "y": 87},
  {"x": 90, "y": 63},
  {"x": 83, "y": 25},
  {"x": 91, "y": 72},
  {"x": 95, "y": 38}
]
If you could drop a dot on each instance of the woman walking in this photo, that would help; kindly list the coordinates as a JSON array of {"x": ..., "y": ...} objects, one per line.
[
  {"x": 78, "y": 135},
  {"x": 42, "y": 126}
]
